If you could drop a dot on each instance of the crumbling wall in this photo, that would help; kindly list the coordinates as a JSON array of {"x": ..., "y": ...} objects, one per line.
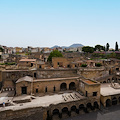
[
  {"x": 24, "y": 114},
  {"x": 53, "y": 73}
]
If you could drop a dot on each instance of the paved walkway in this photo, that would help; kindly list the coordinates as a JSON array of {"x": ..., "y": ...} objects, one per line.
[
  {"x": 111, "y": 113},
  {"x": 6, "y": 96}
]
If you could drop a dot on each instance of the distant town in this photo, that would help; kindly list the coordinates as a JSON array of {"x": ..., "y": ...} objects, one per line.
[{"x": 59, "y": 82}]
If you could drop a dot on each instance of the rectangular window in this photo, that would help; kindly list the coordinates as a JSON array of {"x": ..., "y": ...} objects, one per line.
[
  {"x": 35, "y": 75},
  {"x": 36, "y": 90},
  {"x": 46, "y": 89},
  {"x": 86, "y": 94},
  {"x": 54, "y": 88},
  {"x": 94, "y": 93}
]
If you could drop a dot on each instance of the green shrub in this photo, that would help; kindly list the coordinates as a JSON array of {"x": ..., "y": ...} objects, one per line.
[
  {"x": 54, "y": 53},
  {"x": 83, "y": 65},
  {"x": 98, "y": 64},
  {"x": 7, "y": 63},
  {"x": 2, "y": 63}
]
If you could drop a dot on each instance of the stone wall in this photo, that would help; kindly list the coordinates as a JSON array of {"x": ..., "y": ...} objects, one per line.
[
  {"x": 56, "y": 73},
  {"x": 9, "y": 77},
  {"x": 53, "y": 85},
  {"x": 23, "y": 84},
  {"x": 92, "y": 73},
  {"x": 14, "y": 75},
  {"x": 24, "y": 114},
  {"x": 40, "y": 113}
]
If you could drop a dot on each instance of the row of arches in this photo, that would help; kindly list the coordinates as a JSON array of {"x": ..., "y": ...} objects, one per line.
[
  {"x": 109, "y": 80},
  {"x": 74, "y": 109},
  {"x": 63, "y": 86},
  {"x": 114, "y": 101}
]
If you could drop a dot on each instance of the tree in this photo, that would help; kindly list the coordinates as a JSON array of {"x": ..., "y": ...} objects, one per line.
[
  {"x": 1, "y": 49},
  {"x": 107, "y": 46},
  {"x": 116, "y": 46},
  {"x": 88, "y": 49},
  {"x": 104, "y": 48},
  {"x": 54, "y": 53},
  {"x": 99, "y": 47}
]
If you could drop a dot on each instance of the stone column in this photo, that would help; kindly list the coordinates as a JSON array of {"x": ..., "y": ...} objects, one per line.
[
  {"x": 67, "y": 86},
  {"x": 77, "y": 111},
  {"x": 60, "y": 115},
  {"x": 69, "y": 113}
]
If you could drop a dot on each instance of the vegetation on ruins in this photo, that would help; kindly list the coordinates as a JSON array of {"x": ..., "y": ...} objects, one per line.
[
  {"x": 99, "y": 48},
  {"x": 84, "y": 65},
  {"x": 7, "y": 63},
  {"x": 1, "y": 49},
  {"x": 54, "y": 53},
  {"x": 116, "y": 46},
  {"x": 88, "y": 49},
  {"x": 98, "y": 64},
  {"x": 107, "y": 46}
]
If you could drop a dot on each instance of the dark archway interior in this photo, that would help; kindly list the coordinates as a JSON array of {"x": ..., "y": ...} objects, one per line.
[
  {"x": 65, "y": 110},
  {"x": 55, "y": 112},
  {"x": 73, "y": 108},
  {"x": 81, "y": 107},
  {"x": 108, "y": 103},
  {"x": 114, "y": 101},
  {"x": 63, "y": 86},
  {"x": 72, "y": 86},
  {"x": 108, "y": 80},
  {"x": 96, "y": 105},
  {"x": 104, "y": 81},
  {"x": 119, "y": 99},
  {"x": 89, "y": 106}
]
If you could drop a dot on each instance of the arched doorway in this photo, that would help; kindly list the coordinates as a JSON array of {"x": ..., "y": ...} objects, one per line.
[
  {"x": 114, "y": 101},
  {"x": 65, "y": 110},
  {"x": 108, "y": 103},
  {"x": 104, "y": 81},
  {"x": 68, "y": 66},
  {"x": 108, "y": 81},
  {"x": 63, "y": 86},
  {"x": 119, "y": 99},
  {"x": 31, "y": 64},
  {"x": 81, "y": 107},
  {"x": 89, "y": 106},
  {"x": 55, "y": 112},
  {"x": 96, "y": 105},
  {"x": 74, "y": 110},
  {"x": 117, "y": 69},
  {"x": 72, "y": 86},
  {"x": 113, "y": 78}
]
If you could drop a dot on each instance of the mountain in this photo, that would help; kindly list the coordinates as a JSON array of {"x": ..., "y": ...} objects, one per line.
[
  {"x": 75, "y": 45},
  {"x": 56, "y": 46},
  {"x": 71, "y": 46}
]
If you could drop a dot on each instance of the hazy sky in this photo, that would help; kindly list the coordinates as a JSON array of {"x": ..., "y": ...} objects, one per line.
[{"x": 45, "y": 23}]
